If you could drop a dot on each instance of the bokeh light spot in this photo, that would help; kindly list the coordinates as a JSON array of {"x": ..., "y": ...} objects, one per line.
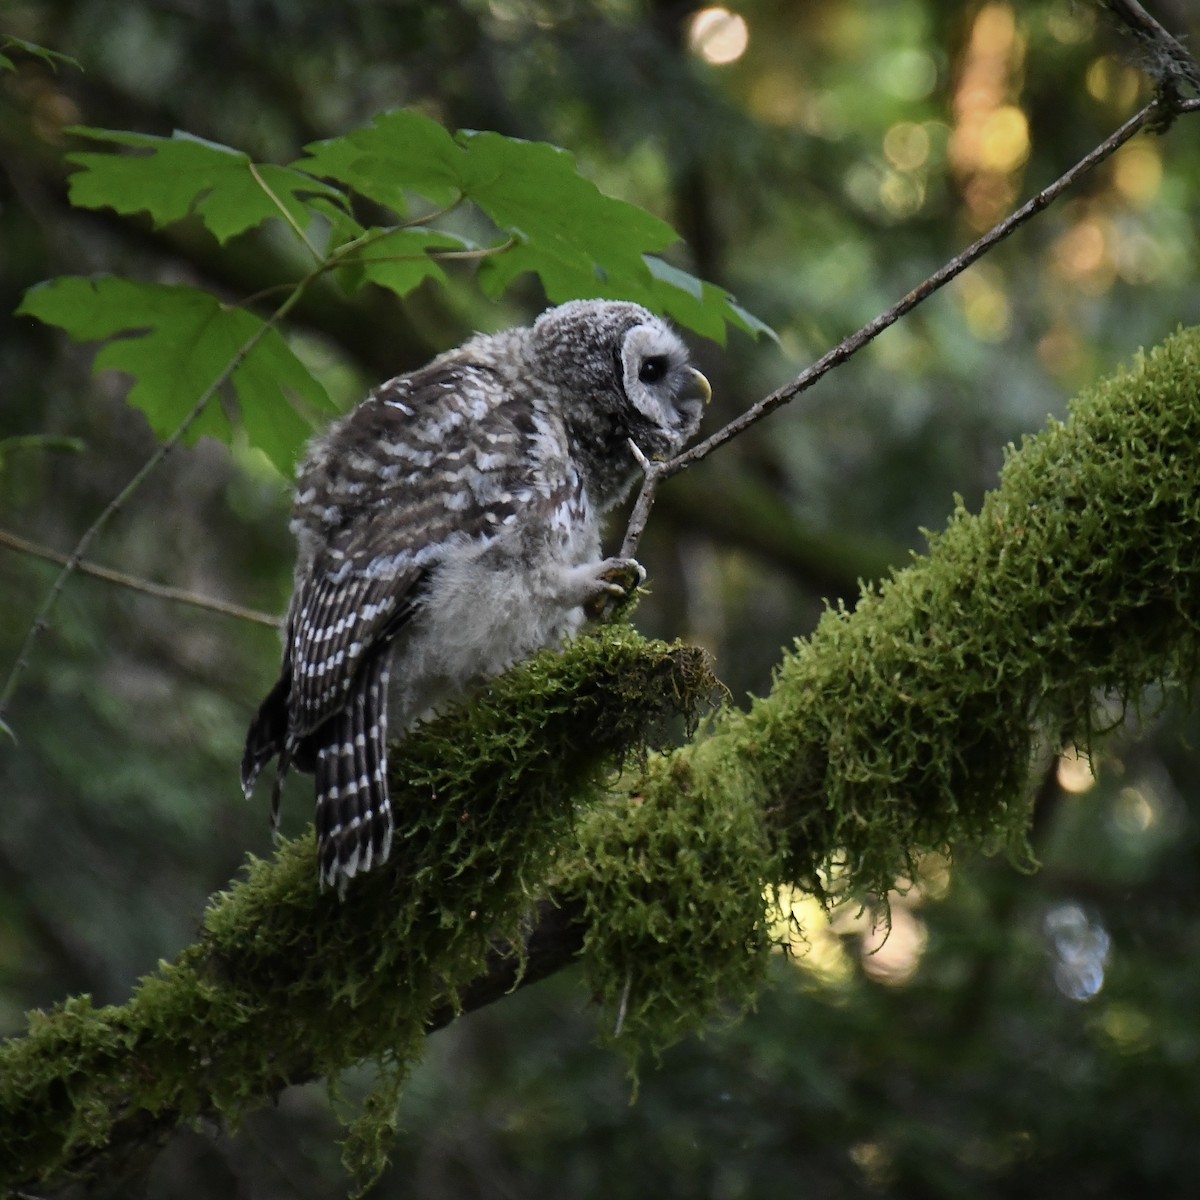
[
  {"x": 906, "y": 145},
  {"x": 1137, "y": 172},
  {"x": 1004, "y": 139},
  {"x": 1075, "y": 773},
  {"x": 718, "y": 36}
]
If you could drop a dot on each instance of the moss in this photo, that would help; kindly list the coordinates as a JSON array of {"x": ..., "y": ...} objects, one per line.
[
  {"x": 671, "y": 874},
  {"x": 287, "y": 984},
  {"x": 909, "y": 724}
]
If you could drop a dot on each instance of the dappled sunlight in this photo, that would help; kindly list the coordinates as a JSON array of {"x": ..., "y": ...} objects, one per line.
[
  {"x": 1113, "y": 82},
  {"x": 1083, "y": 256},
  {"x": 1129, "y": 1029},
  {"x": 984, "y": 301},
  {"x": 888, "y": 942},
  {"x": 891, "y": 951},
  {"x": 718, "y": 36},
  {"x": 906, "y": 145},
  {"x": 1137, "y": 172},
  {"x": 1080, "y": 947},
  {"x": 1074, "y": 772},
  {"x": 805, "y": 933},
  {"x": 990, "y": 140},
  {"x": 1135, "y": 811}
]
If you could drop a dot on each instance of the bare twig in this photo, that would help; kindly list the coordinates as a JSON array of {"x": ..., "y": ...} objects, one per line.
[
  {"x": 645, "y": 501},
  {"x": 1165, "y": 56},
  {"x": 851, "y": 345},
  {"x": 146, "y": 587},
  {"x": 114, "y": 506}
]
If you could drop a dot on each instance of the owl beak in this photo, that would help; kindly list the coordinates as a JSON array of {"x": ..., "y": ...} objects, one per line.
[{"x": 700, "y": 388}]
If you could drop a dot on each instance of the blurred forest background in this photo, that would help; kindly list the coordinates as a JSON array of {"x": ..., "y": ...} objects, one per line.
[{"x": 1016, "y": 1034}]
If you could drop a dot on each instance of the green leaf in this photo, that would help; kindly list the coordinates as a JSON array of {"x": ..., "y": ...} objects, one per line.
[
  {"x": 180, "y": 175},
  {"x": 50, "y": 57},
  {"x": 178, "y": 342},
  {"x": 398, "y": 259},
  {"x": 399, "y": 153},
  {"x": 701, "y": 306},
  {"x": 580, "y": 242}
]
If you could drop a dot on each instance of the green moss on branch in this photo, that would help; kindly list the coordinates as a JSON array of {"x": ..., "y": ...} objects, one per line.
[
  {"x": 907, "y": 725},
  {"x": 911, "y": 723},
  {"x": 287, "y": 984}
]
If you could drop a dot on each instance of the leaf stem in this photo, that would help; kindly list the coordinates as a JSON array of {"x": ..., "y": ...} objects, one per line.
[{"x": 284, "y": 213}]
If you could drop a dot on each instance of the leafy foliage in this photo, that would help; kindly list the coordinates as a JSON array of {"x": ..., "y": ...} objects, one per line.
[
  {"x": 802, "y": 177},
  {"x": 51, "y": 58},
  {"x": 181, "y": 344},
  {"x": 182, "y": 174}
]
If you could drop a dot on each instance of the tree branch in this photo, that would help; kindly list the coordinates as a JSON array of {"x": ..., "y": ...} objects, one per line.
[
  {"x": 850, "y": 346},
  {"x": 158, "y": 590},
  {"x": 1165, "y": 57},
  {"x": 904, "y": 726}
]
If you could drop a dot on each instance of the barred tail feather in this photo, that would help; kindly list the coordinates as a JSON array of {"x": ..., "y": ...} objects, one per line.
[
  {"x": 376, "y": 761},
  {"x": 268, "y": 733},
  {"x": 353, "y": 818}
]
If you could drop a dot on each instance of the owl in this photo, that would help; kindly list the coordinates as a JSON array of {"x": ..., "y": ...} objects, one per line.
[{"x": 450, "y": 526}]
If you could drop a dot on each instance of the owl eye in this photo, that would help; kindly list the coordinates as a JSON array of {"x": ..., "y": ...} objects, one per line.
[{"x": 653, "y": 368}]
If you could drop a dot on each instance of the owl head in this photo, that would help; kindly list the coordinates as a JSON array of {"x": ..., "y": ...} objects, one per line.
[{"x": 624, "y": 374}]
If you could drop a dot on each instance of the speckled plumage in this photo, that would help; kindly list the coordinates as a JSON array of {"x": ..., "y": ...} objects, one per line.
[{"x": 450, "y": 526}]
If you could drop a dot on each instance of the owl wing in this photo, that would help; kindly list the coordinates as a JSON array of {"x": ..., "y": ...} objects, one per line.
[{"x": 433, "y": 459}]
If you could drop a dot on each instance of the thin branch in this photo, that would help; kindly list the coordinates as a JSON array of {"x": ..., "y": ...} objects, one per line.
[
  {"x": 956, "y": 266},
  {"x": 645, "y": 501},
  {"x": 435, "y": 215},
  {"x": 1167, "y": 58},
  {"x": 851, "y": 345},
  {"x": 73, "y": 560},
  {"x": 42, "y": 616},
  {"x": 655, "y": 473},
  {"x": 158, "y": 590},
  {"x": 481, "y": 252}
]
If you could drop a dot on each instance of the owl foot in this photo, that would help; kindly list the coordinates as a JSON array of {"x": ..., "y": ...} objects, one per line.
[{"x": 617, "y": 582}]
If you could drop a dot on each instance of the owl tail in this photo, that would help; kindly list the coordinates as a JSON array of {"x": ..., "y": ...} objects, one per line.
[
  {"x": 354, "y": 814},
  {"x": 268, "y": 732}
]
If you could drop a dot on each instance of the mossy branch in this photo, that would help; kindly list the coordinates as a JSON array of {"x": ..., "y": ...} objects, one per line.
[
  {"x": 909, "y": 724},
  {"x": 286, "y": 984}
]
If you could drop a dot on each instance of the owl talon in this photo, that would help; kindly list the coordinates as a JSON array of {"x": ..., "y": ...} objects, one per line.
[
  {"x": 619, "y": 579},
  {"x": 622, "y": 576}
]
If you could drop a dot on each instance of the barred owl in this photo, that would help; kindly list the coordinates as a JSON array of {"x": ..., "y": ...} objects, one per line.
[{"x": 450, "y": 526}]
